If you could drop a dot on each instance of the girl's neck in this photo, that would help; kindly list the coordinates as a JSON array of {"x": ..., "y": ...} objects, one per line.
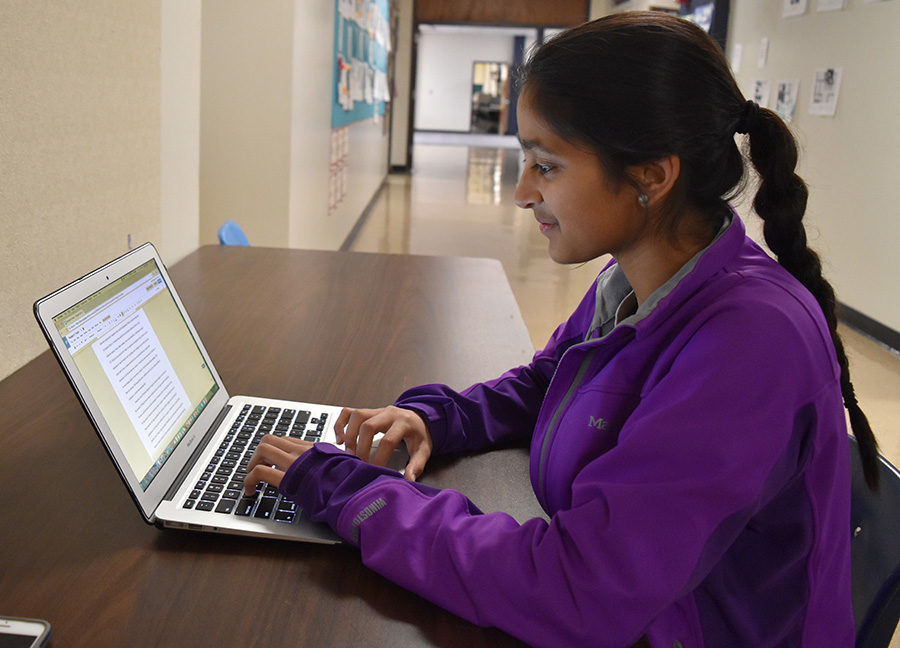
[{"x": 649, "y": 265}]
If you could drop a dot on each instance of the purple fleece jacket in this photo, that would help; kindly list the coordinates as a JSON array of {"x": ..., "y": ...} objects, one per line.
[{"x": 692, "y": 458}]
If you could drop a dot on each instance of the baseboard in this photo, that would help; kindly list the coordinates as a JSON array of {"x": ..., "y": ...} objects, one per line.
[
  {"x": 865, "y": 324},
  {"x": 354, "y": 232}
]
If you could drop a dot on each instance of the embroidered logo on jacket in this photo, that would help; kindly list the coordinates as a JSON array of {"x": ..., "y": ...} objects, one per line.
[{"x": 598, "y": 423}]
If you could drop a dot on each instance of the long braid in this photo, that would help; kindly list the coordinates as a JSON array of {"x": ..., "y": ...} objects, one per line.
[{"x": 781, "y": 202}]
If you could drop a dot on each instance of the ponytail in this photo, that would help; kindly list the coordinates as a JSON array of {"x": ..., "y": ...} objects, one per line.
[{"x": 781, "y": 202}]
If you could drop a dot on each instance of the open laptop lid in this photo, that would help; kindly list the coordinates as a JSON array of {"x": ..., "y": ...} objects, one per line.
[{"x": 137, "y": 365}]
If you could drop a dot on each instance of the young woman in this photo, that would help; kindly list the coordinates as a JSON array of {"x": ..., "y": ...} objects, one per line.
[{"x": 687, "y": 425}]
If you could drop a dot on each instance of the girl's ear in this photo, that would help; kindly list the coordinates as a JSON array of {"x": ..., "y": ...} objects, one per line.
[{"x": 656, "y": 178}]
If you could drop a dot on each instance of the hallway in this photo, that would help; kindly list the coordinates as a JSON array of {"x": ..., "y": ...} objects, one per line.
[{"x": 458, "y": 201}]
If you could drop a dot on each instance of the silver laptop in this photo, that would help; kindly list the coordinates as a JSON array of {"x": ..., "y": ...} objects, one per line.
[{"x": 178, "y": 440}]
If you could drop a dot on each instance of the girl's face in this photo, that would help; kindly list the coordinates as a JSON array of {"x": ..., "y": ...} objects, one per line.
[{"x": 578, "y": 208}]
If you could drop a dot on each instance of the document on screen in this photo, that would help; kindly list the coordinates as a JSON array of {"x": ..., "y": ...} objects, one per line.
[{"x": 143, "y": 379}]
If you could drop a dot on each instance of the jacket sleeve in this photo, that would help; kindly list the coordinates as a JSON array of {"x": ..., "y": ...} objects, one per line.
[
  {"x": 648, "y": 519},
  {"x": 504, "y": 409}
]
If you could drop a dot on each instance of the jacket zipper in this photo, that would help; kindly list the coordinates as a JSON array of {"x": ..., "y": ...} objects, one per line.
[
  {"x": 554, "y": 420},
  {"x": 551, "y": 426}
]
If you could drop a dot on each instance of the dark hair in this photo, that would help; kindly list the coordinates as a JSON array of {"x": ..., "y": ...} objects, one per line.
[{"x": 640, "y": 86}]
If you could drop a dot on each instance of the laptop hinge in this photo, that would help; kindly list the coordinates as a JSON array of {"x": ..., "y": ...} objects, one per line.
[{"x": 185, "y": 471}]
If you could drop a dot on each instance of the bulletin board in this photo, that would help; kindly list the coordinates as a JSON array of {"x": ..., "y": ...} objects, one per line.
[{"x": 361, "y": 44}]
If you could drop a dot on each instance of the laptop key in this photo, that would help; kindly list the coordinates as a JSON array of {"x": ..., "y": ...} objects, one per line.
[
  {"x": 226, "y": 506},
  {"x": 284, "y": 516},
  {"x": 266, "y": 507},
  {"x": 244, "y": 506},
  {"x": 190, "y": 503},
  {"x": 204, "y": 506}
]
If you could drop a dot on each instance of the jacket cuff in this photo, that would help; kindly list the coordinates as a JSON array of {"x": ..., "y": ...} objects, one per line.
[
  {"x": 324, "y": 478},
  {"x": 434, "y": 415}
]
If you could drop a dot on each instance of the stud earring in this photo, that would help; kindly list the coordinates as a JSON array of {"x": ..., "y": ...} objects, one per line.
[{"x": 643, "y": 199}]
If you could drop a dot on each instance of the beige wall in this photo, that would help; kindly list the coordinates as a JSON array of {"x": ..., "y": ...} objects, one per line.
[
  {"x": 849, "y": 160},
  {"x": 100, "y": 138},
  {"x": 79, "y": 148}
]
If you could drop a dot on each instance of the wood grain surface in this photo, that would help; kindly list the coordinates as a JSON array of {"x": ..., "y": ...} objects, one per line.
[{"x": 338, "y": 327}]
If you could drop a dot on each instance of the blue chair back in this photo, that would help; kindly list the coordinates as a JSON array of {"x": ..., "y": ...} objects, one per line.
[
  {"x": 875, "y": 550},
  {"x": 230, "y": 233}
]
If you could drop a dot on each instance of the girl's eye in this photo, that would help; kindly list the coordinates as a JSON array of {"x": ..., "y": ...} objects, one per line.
[{"x": 543, "y": 169}]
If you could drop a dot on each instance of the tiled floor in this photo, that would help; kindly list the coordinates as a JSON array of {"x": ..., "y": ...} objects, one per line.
[{"x": 458, "y": 201}]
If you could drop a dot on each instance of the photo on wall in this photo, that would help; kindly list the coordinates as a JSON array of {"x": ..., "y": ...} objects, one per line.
[
  {"x": 825, "y": 91},
  {"x": 761, "y": 92},
  {"x": 786, "y": 99},
  {"x": 794, "y": 8}
]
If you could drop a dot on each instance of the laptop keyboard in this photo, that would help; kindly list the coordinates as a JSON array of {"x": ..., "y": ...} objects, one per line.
[{"x": 221, "y": 487}]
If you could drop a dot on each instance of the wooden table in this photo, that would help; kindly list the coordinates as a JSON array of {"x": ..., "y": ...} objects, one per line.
[{"x": 343, "y": 328}]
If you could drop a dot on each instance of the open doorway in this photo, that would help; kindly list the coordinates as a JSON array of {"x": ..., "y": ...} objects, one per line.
[{"x": 490, "y": 97}]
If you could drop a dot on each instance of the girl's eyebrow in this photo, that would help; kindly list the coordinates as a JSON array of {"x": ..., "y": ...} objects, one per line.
[{"x": 531, "y": 145}]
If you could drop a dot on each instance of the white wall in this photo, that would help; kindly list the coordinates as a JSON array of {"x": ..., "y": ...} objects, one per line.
[
  {"x": 310, "y": 225},
  {"x": 603, "y": 7},
  {"x": 265, "y": 143},
  {"x": 245, "y": 118},
  {"x": 444, "y": 71},
  {"x": 850, "y": 160},
  {"x": 180, "y": 128}
]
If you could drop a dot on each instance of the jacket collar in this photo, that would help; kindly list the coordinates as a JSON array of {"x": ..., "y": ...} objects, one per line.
[{"x": 613, "y": 287}]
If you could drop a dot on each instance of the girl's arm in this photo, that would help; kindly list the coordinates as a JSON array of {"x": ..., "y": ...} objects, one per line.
[
  {"x": 481, "y": 416},
  {"x": 647, "y": 522}
]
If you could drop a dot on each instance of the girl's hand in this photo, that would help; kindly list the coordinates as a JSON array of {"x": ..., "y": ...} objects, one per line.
[
  {"x": 272, "y": 457},
  {"x": 356, "y": 428}
]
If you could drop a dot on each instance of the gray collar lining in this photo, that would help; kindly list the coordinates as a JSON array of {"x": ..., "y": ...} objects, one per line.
[{"x": 613, "y": 289}]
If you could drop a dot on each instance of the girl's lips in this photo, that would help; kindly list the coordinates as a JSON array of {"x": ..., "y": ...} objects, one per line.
[{"x": 545, "y": 226}]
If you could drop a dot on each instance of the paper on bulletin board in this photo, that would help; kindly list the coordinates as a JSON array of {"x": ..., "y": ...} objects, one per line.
[
  {"x": 362, "y": 42},
  {"x": 338, "y": 173}
]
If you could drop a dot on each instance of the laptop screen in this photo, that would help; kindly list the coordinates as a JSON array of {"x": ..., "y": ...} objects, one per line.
[{"x": 141, "y": 364}]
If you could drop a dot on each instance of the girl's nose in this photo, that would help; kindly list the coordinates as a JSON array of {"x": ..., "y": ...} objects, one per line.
[{"x": 526, "y": 196}]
